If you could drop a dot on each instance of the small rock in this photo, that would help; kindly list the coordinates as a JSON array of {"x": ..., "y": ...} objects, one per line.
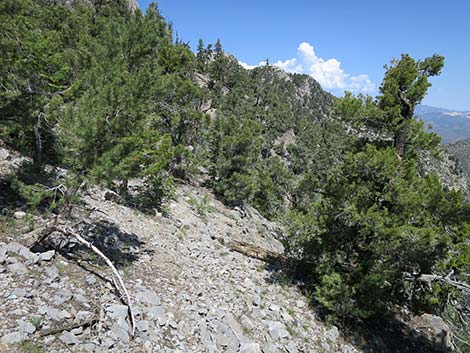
[
  {"x": 108, "y": 342},
  {"x": 48, "y": 340},
  {"x": 91, "y": 279},
  {"x": 332, "y": 334},
  {"x": 286, "y": 316},
  {"x": 17, "y": 268},
  {"x": 247, "y": 323},
  {"x": 26, "y": 327},
  {"x": 77, "y": 331},
  {"x": 143, "y": 325},
  {"x": 291, "y": 348},
  {"x": 89, "y": 347},
  {"x": 274, "y": 307},
  {"x": 277, "y": 330},
  {"x": 173, "y": 324},
  {"x": 82, "y": 300},
  {"x": 156, "y": 312},
  {"x": 22, "y": 251},
  {"x": 269, "y": 347},
  {"x": 69, "y": 338},
  {"x": 20, "y": 292},
  {"x": 202, "y": 311},
  {"x": 147, "y": 296},
  {"x": 83, "y": 316},
  {"x": 256, "y": 301},
  {"x": 19, "y": 214},
  {"x": 62, "y": 296},
  {"x": 53, "y": 313},
  {"x": 117, "y": 311},
  {"x": 53, "y": 273},
  {"x": 235, "y": 327},
  {"x": 13, "y": 337},
  {"x": 250, "y": 348},
  {"x": 47, "y": 256},
  {"x": 119, "y": 333}
]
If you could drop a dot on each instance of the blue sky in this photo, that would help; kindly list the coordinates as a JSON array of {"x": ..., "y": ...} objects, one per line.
[{"x": 343, "y": 44}]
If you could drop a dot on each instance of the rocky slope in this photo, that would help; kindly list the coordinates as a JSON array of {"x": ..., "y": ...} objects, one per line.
[
  {"x": 461, "y": 152},
  {"x": 190, "y": 293},
  {"x": 448, "y": 168}
]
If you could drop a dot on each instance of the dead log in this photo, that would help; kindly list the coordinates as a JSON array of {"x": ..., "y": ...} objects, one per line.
[
  {"x": 56, "y": 330},
  {"x": 255, "y": 251},
  {"x": 41, "y": 235},
  {"x": 429, "y": 278}
]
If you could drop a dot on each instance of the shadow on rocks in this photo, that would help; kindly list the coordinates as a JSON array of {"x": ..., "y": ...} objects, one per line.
[
  {"x": 122, "y": 248},
  {"x": 390, "y": 334},
  {"x": 386, "y": 334}
]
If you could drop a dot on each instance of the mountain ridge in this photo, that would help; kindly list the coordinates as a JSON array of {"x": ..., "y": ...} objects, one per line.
[{"x": 451, "y": 125}]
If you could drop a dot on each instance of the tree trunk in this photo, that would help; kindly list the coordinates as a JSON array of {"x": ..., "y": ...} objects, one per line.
[
  {"x": 400, "y": 141},
  {"x": 407, "y": 111},
  {"x": 123, "y": 188},
  {"x": 37, "y": 159}
]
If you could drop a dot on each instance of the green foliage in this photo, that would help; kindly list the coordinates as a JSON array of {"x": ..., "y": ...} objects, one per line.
[
  {"x": 201, "y": 206},
  {"x": 115, "y": 99},
  {"x": 38, "y": 62},
  {"x": 36, "y": 195},
  {"x": 235, "y": 146},
  {"x": 377, "y": 221},
  {"x": 146, "y": 156},
  {"x": 36, "y": 321},
  {"x": 359, "y": 110},
  {"x": 405, "y": 84}
]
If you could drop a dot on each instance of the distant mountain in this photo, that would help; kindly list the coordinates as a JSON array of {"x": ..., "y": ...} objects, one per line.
[{"x": 451, "y": 125}]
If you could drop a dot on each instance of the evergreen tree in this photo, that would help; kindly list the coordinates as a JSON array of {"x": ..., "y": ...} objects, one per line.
[
  {"x": 405, "y": 84},
  {"x": 39, "y": 61}
]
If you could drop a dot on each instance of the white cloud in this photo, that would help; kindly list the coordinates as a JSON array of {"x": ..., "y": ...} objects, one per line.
[
  {"x": 246, "y": 66},
  {"x": 251, "y": 67},
  {"x": 328, "y": 73},
  {"x": 361, "y": 83}
]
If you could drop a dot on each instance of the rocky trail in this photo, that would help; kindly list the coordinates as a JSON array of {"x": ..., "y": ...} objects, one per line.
[{"x": 190, "y": 292}]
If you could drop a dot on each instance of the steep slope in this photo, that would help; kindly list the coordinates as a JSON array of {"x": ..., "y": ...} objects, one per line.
[
  {"x": 190, "y": 292},
  {"x": 461, "y": 152}
]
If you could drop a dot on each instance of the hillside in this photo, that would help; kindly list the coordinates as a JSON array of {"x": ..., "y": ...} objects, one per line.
[
  {"x": 451, "y": 125},
  {"x": 191, "y": 292},
  {"x": 461, "y": 151},
  {"x": 156, "y": 199}
]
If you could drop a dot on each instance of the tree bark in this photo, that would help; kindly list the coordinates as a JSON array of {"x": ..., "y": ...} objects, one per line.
[
  {"x": 407, "y": 111},
  {"x": 400, "y": 141},
  {"x": 37, "y": 141},
  {"x": 255, "y": 252}
]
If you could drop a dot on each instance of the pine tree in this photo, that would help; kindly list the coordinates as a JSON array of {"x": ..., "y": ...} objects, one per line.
[{"x": 405, "y": 84}]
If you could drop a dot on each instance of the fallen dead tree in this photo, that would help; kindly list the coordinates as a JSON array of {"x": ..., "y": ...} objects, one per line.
[
  {"x": 445, "y": 279},
  {"x": 56, "y": 330},
  {"x": 456, "y": 313},
  {"x": 255, "y": 251}
]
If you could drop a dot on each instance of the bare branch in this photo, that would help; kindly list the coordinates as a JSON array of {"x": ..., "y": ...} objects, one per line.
[{"x": 68, "y": 231}]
